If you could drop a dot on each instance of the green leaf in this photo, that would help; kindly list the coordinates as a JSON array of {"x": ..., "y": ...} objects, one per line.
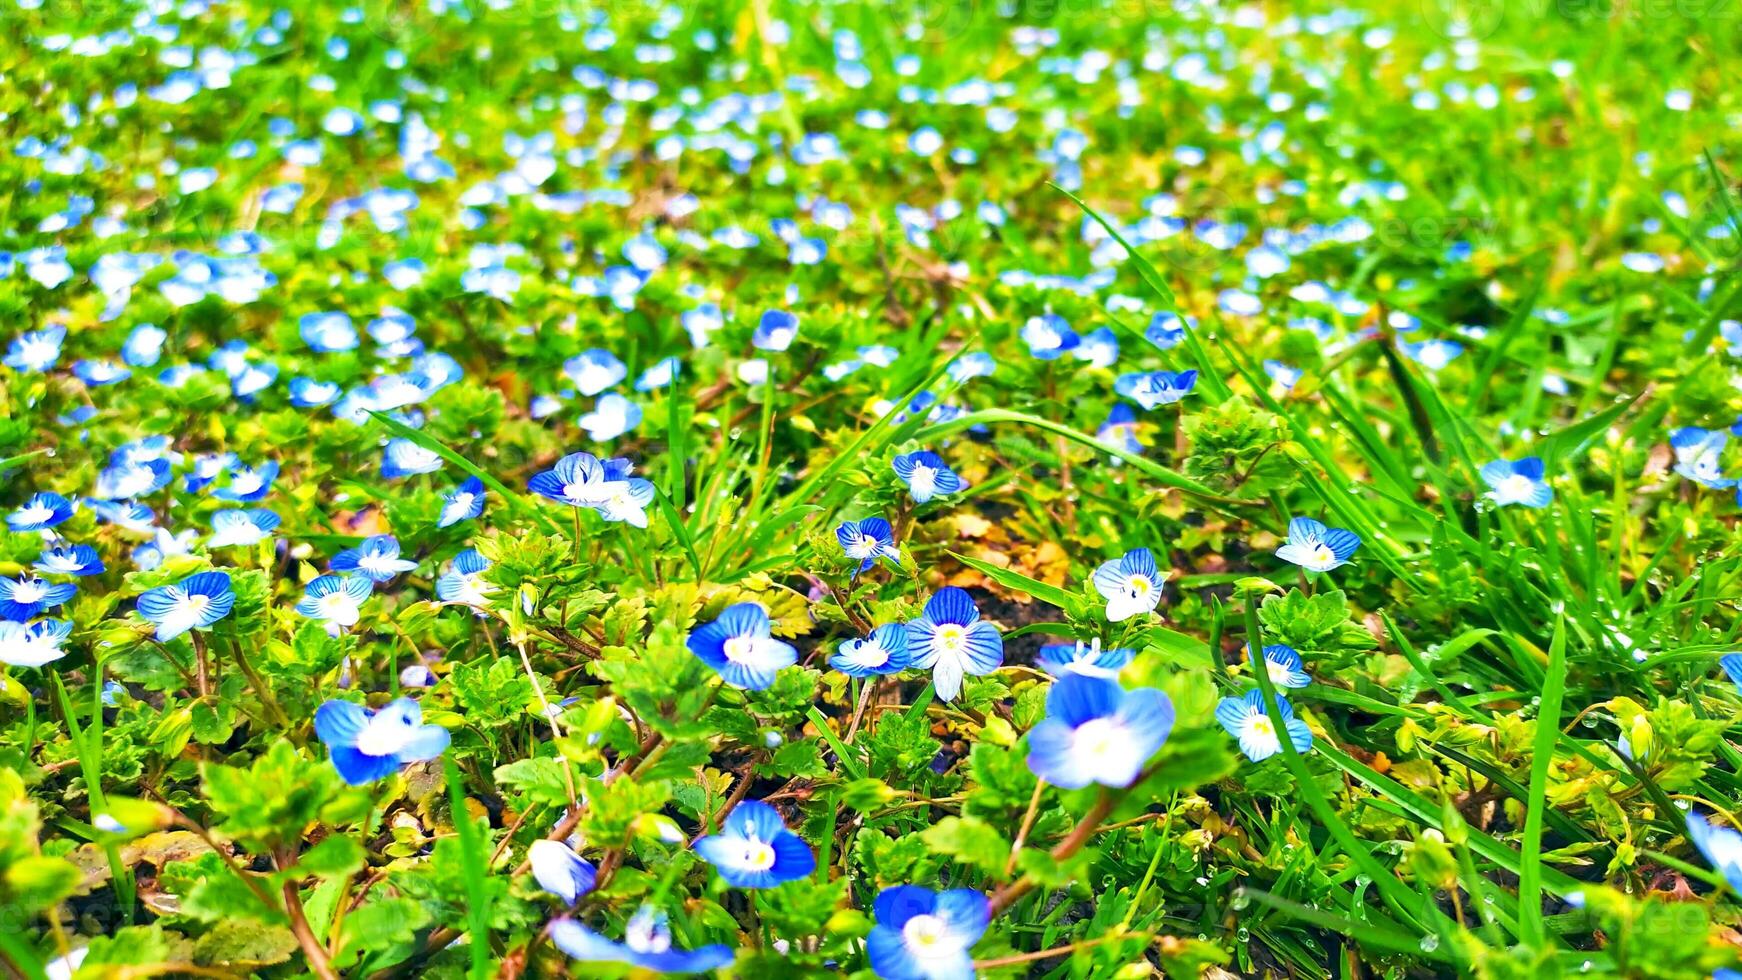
[{"x": 969, "y": 840}]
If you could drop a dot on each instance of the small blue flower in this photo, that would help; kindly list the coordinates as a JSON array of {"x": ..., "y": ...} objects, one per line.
[
  {"x": 646, "y": 944},
  {"x": 35, "y": 644},
  {"x": 1433, "y": 354},
  {"x": 464, "y": 581},
  {"x": 1059, "y": 659},
  {"x": 1166, "y": 329},
  {"x": 927, "y": 475},
  {"x": 559, "y": 870},
  {"x": 133, "y": 478},
  {"x": 660, "y": 375},
  {"x": 1732, "y": 664},
  {"x": 1120, "y": 430},
  {"x": 78, "y": 559},
  {"x": 377, "y": 559},
  {"x": 1721, "y": 847},
  {"x": 248, "y": 483},
  {"x": 1130, "y": 584},
  {"x": 1099, "y": 347},
  {"x": 867, "y": 541},
  {"x": 328, "y": 333},
  {"x": 1318, "y": 548},
  {"x": 27, "y": 597},
  {"x": 1097, "y": 732},
  {"x": 1245, "y": 719},
  {"x": 129, "y": 514},
  {"x": 1517, "y": 483},
  {"x": 336, "y": 599},
  {"x": 369, "y": 745},
  {"x": 464, "y": 503},
  {"x": 611, "y": 417},
  {"x": 1284, "y": 665},
  {"x": 41, "y": 512},
  {"x": 402, "y": 457},
  {"x": 144, "y": 345},
  {"x": 1049, "y": 337},
  {"x": 1153, "y": 388},
  {"x": 925, "y": 935},
  {"x": 244, "y": 528},
  {"x": 581, "y": 480},
  {"x": 36, "y": 350},
  {"x": 309, "y": 393},
  {"x": 775, "y": 331},
  {"x": 951, "y": 640},
  {"x": 196, "y": 602},
  {"x": 96, "y": 374},
  {"x": 755, "y": 850},
  {"x": 1697, "y": 455},
  {"x": 741, "y": 648},
  {"x": 885, "y": 651},
  {"x": 594, "y": 370}
]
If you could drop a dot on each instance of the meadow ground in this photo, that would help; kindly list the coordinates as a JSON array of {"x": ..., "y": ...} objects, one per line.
[{"x": 799, "y": 489}]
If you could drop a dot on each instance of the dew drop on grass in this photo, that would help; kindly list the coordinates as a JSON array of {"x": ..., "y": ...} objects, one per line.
[{"x": 1430, "y": 942}]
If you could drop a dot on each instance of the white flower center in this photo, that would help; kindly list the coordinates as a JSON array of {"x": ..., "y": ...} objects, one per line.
[
  {"x": 739, "y": 649},
  {"x": 34, "y": 514},
  {"x": 758, "y": 856},
  {"x": 927, "y": 936},
  {"x": 952, "y": 638},
  {"x": 29, "y": 591}
]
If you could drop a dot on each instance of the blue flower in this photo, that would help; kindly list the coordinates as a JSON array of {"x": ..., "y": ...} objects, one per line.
[
  {"x": 133, "y": 478},
  {"x": 309, "y": 393},
  {"x": 646, "y": 944},
  {"x": 231, "y": 528},
  {"x": 1517, "y": 483},
  {"x": 144, "y": 345},
  {"x": 926, "y": 475},
  {"x": 755, "y": 850},
  {"x": 79, "y": 559},
  {"x": 1732, "y": 664},
  {"x": 885, "y": 651},
  {"x": 464, "y": 503},
  {"x": 1166, "y": 329},
  {"x": 1721, "y": 847},
  {"x": 336, "y": 599},
  {"x": 1153, "y": 388},
  {"x": 1244, "y": 718},
  {"x": 328, "y": 333},
  {"x": 248, "y": 483},
  {"x": 24, "y": 598},
  {"x": 368, "y": 745},
  {"x": 775, "y": 331},
  {"x": 1059, "y": 659},
  {"x": 402, "y": 457},
  {"x": 377, "y": 558},
  {"x": 41, "y": 512},
  {"x": 1318, "y": 548},
  {"x": 36, "y": 350},
  {"x": 1049, "y": 337},
  {"x": 129, "y": 514},
  {"x": 950, "y": 640},
  {"x": 1698, "y": 455},
  {"x": 1433, "y": 354},
  {"x": 35, "y": 644},
  {"x": 1284, "y": 665},
  {"x": 196, "y": 602},
  {"x": 660, "y": 375},
  {"x": 1097, "y": 732},
  {"x": 611, "y": 417},
  {"x": 925, "y": 935},
  {"x": 559, "y": 870},
  {"x": 1120, "y": 430},
  {"x": 594, "y": 370},
  {"x": 1099, "y": 347},
  {"x": 741, "y": 648},
  {"x": 867, "y": 541},
  {"x": 464, "y": 581},
  {"x": 581, "y": 480},
  {"x": 1131, "y": 584},
  {"x": 96, "y": 374}
]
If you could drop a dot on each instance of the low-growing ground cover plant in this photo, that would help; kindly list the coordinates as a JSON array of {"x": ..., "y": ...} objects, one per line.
[{"x": 887, "y": 490}]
